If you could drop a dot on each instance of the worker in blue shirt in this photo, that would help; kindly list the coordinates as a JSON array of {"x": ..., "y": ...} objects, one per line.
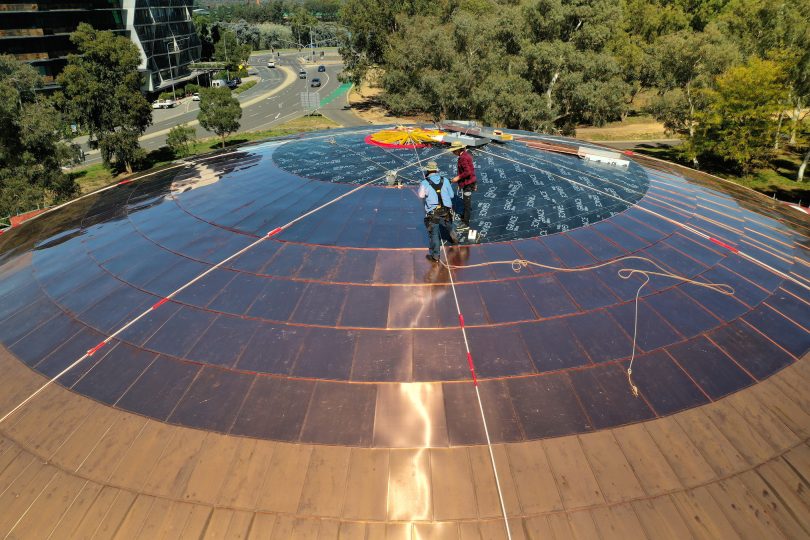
[{"x": 437, "y": 191}]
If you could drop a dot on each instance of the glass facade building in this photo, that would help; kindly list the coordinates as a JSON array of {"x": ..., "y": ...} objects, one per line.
[{"x": 39, "y": 33}]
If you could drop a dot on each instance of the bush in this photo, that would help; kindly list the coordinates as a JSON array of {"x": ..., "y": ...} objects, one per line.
[
  {"x": 191, "y": 88},
  {"x": 245, "y": 86},
  {"x": 179, "y": 139},
  {"x": 178, "y": 94}
]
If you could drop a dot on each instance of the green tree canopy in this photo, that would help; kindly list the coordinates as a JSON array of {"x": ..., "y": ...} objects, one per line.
[
  {"x": 683, "y": 65},
  {"x": 179, "y": 139},
  {"x": 102, "y": 92},
  {"x": 219, "y": 111},
  {"x": 739, "y": 119},
  {"x": 230, "y": 51},
  {"x": 32, "y": 150}
]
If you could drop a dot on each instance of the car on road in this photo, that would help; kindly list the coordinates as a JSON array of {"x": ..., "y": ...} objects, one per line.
[
  {"x": 321, "y": 69},
  {"x": 271, "y": 64},
  {"x": 302, "y": 74},
  {"x": 316, "y": 82},
  {"x": 164, "y": 104},
  {"x": 195, "y": 96}
]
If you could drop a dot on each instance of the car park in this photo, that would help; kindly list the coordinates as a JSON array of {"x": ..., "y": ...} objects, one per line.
[
  {"x": 316, "y": 82},
  {"x": 321, "y": 69}
]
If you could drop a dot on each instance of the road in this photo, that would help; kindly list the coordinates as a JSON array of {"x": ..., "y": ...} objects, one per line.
[{"x": 275, "y": 99}]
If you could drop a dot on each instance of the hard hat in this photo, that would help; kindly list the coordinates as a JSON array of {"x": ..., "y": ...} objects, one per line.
[{"x": 431, "y": 167}]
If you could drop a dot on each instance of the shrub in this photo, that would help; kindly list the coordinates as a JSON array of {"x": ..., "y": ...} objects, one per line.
[
  {"x": 179, "y": 139},
  {"x": 245, "y": 86}
]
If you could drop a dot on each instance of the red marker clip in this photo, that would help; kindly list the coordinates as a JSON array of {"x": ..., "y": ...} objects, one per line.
[
  {"x": 92, "y": 351},
  {"x": 160, "y": 303},
  {"x": 461, "y": 320},
  {"x": 274, "y": 232},
  {"x": 723, "y": 244},
  {"x": 472, "y": 368},
  {"x": 128, "y": 181}
]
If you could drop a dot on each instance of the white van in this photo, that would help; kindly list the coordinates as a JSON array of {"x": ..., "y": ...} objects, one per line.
[{"x": 217, "y": 83}]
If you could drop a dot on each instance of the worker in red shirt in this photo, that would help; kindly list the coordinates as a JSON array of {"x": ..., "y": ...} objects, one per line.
[{"x": 465, "y": 180}]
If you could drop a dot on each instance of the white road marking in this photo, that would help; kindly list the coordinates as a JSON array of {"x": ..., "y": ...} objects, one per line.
[{"x": 279, "y": 114}]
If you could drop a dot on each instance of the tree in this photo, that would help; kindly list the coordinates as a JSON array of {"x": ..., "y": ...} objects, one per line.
[
  {"x": 739, "y": 120},
  {"x": 204, "y": 28},
  {"x": 301, "y": 23},
  {"x": 32, "y": 149},
  {"x": 650, "y": 19},
  {"x": 370, "y": 23},
  {"x": 102, "y": 92},
  {"x": 179, "y": 138},
  {"x": 569, "y": 61},
  {"x": 230, "y": 51},
  {"x": 219, "y": 111},
  {"x": 777, "y": 31},
  {"x": 682, "y": 66},
  {"x": 803, "y": 144},
  {"x": 245, "y": 33},
  {"x": 273, "y": 36}
]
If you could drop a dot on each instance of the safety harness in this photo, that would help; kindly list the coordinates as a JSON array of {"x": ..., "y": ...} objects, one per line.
[{"x": 438, "y": 189}]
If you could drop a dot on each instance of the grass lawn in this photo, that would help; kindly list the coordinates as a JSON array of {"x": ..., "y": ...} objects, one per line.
[
  {"x": 247, "y": 86},
  {"x": 633, "y": 128},
  {"x": 96, "y": 176}
]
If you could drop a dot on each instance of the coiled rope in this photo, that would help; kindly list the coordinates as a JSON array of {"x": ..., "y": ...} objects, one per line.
[{"x": 624, "y": 273}]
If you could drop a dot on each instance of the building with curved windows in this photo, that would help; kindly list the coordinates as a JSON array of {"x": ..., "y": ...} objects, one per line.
[{"x": 39, "y": 33}]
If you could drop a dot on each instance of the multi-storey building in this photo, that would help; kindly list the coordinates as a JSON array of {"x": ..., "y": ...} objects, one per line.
[{"x": 39, "y": 33}]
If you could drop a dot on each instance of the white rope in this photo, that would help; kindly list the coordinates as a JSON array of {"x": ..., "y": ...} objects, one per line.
[
  {"x": 623, "y": 273},
  {"x": 185, "y": 286},
  {"x": 664, "y": 218},
  {"x": 477, "y": 394}
]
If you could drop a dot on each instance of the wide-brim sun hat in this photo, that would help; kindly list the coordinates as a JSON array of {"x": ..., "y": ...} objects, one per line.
[
  {"x": 457, "y": 145},
  {"x": 431, "y": 166}
]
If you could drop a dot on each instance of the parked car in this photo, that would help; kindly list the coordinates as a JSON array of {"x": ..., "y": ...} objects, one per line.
[
  {"x": 195, "y": 96},
  {"x": 164, "y": 104},
  {"x": 237, "y": 80},
  {"x": 316, "y": 82},
  {"x": 271, "y": 64},
  {"x": 232, "y": 84},
  {"x": 321, "y": 69},
  {"x": 302, "y": 74}
]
